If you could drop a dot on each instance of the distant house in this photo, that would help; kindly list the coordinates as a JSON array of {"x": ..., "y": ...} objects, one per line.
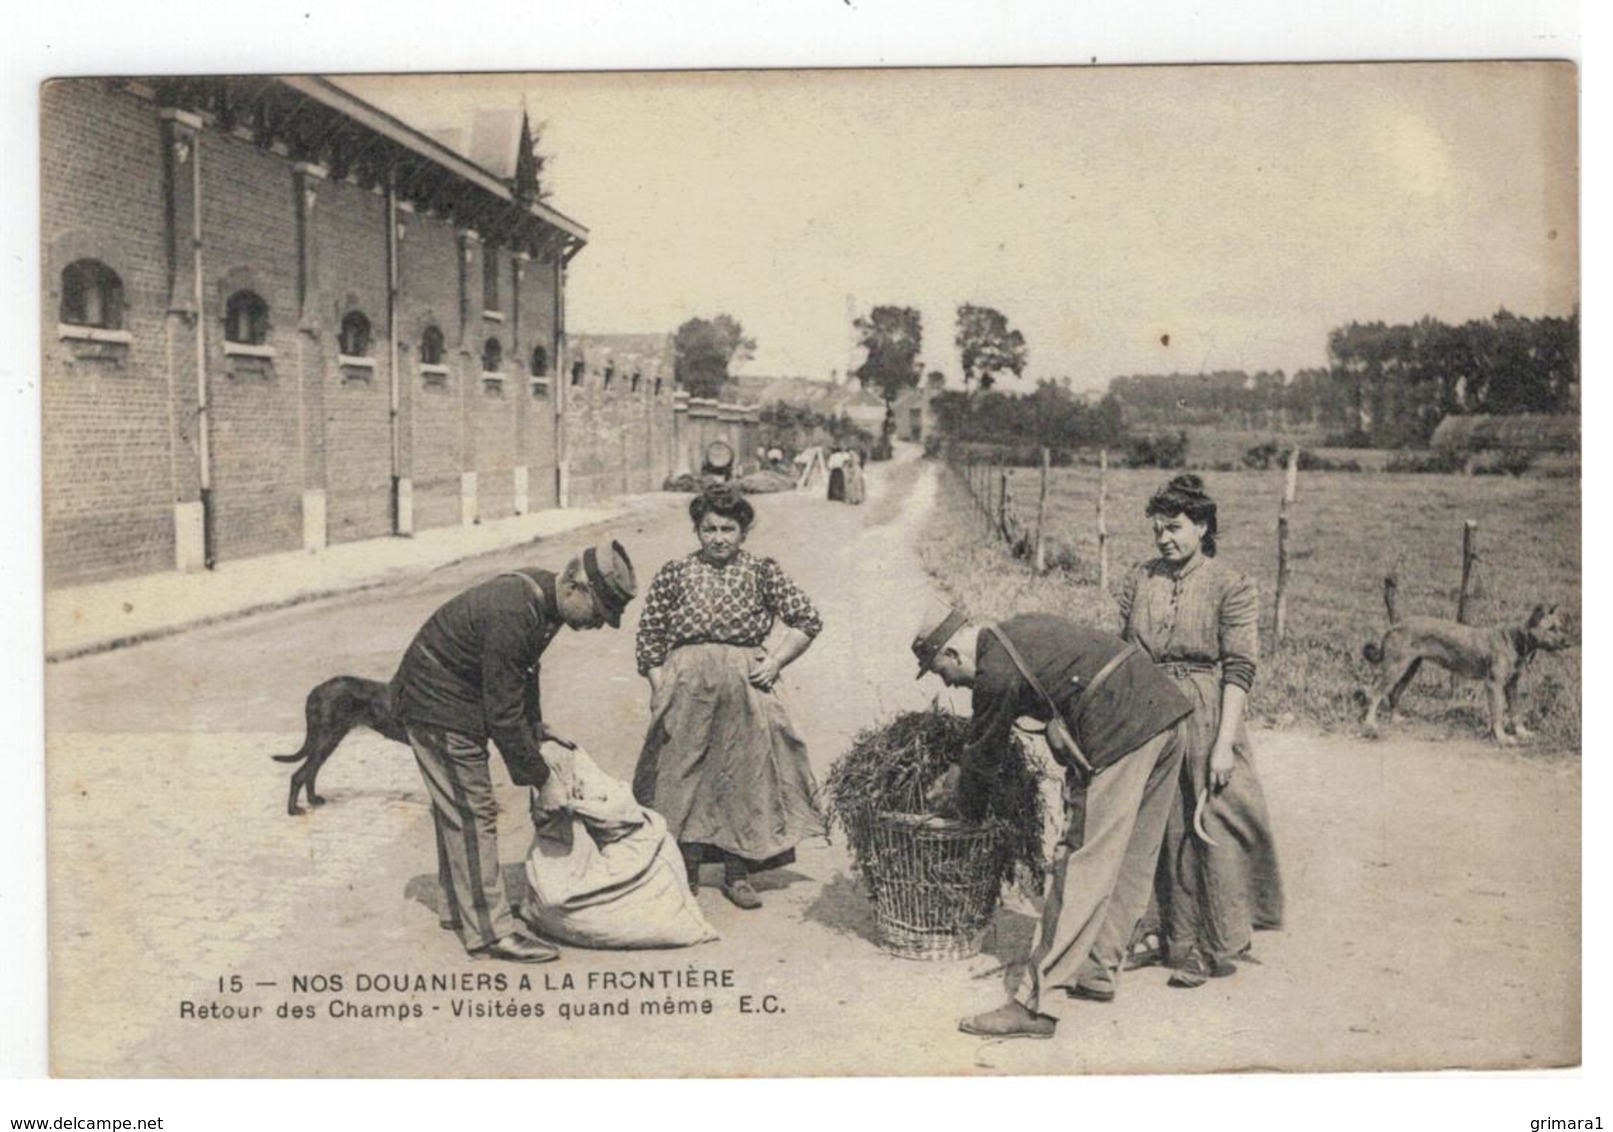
[
  {"x": 864, "y": 409},
  {"x": 915, "y": 415}
]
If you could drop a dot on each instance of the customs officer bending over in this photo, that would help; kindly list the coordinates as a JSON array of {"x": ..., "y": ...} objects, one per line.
[
  {"x": 1112, "y": 720},
  {"x": 471, "y": 675}
]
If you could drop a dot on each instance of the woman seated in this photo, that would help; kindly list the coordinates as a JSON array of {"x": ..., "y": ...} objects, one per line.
[{"x": 721, "y": 761}]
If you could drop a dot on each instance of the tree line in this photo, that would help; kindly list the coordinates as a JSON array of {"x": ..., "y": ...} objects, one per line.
[{"x": 1385, "y": 385}]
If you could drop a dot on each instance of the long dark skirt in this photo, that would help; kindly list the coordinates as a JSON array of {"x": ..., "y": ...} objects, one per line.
[
  {"x": 837, "y": 485},
  {"x": 1214, "y": 896},
  {"x": 721, "y": 761}
]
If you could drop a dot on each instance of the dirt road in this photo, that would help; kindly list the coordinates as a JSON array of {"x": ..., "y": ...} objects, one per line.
[{"x": 1434, "y": 889}]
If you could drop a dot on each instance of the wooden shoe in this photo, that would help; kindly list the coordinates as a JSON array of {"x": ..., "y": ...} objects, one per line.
[
  {"x": 1010, "y": 1020},
  {"x": 741, "y": 895},
  {"x": 1090, "y": 994},
  {"x": 517, "y": 949}
]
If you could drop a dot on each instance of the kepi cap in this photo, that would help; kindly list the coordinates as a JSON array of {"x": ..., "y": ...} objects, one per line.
[
  {"x": 940, "y": 624},
  {"x": 610, "y": 577}
]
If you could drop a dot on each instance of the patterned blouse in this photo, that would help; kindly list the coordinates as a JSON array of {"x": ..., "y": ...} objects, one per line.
[
  {"x": 1204, "y": 614},
  {"x": 694, "y": 602}
]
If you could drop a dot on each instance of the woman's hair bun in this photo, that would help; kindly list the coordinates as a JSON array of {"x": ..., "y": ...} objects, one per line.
[{"x": 1187, "y": 483}]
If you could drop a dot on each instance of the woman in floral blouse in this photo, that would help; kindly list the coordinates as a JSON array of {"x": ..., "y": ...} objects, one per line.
[
  {"x": 721, "y": 761},
  {"x": 1199, "y": 621}
]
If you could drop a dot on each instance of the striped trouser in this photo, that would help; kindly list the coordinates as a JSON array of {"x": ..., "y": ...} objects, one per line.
[
  {"x": 1102, "y": 870},
  {"x": 456, "y": 770}
]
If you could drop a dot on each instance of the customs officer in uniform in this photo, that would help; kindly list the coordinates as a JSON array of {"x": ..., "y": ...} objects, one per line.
[
  {"x": 471, "y": 675},
  {"x": 1112, "y": 724}
]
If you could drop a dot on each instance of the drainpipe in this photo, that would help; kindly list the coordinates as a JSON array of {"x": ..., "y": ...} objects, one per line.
[
  {"x": 562, "y": 381},
  {"x": 204, "y": 444},
  {"x": 394, "y": 419}
]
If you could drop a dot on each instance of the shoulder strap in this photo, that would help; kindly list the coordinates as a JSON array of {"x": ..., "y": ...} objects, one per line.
[
  {"x": 532, "y": 584},
  {"x": 1024, "y": 669},
  {"x": 1105, "y": 672}
]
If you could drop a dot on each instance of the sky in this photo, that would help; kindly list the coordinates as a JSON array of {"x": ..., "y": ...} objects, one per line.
[{"x": 1126, "y": 219}]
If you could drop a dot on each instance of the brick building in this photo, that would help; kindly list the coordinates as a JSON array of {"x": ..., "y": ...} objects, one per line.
[{"x": 275, "y": 317}]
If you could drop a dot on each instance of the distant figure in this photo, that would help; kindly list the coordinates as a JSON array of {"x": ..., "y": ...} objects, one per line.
[
  {"x": 856, "y": 487},
  {"x": 837, "y": 475}
]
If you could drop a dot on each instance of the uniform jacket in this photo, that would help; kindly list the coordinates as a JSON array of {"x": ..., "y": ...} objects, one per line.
[
  {"x": 1134, "y": 703},
  {"x": 473, "y": 668}
]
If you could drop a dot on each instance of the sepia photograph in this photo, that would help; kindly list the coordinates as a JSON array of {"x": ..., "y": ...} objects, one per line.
[{"x": 956, "y": 571}]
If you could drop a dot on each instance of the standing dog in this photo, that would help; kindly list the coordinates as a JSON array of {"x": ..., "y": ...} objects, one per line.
[
  {"x": 1497, "y": 655},
  {"x": 334, "y": 708}
]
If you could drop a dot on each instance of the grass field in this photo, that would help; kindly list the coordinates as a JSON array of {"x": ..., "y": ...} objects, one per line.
[{"x": 1347, "y": 530}]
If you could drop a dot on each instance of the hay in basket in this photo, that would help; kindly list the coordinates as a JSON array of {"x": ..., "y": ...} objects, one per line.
[{"x": 935, "y": 879}]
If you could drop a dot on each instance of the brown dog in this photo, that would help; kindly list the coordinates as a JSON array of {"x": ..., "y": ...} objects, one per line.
[
  {"x": 1497, "y": 655},
  {"x": 333, "y": 709}
]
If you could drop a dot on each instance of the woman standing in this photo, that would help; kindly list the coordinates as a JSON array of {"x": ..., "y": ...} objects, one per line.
[
  {"x": 721, "y": 761},
  {"x": 1199, "y": 621}
]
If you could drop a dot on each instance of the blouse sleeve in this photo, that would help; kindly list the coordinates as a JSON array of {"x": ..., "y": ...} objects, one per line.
[
  {"x": 654, "y": 639},
  {"x": 1240, "y": 632},
  {"x": 1128, "y": 601},
  {"x": 787, "y": 601}
]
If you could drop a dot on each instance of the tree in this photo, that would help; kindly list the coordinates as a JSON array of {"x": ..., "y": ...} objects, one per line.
[
  {"x": 892, "y": 337},
  {"x": 703, "y": 350},
  {"x": 528, "y": 184},
  {"x": 987, "y": 346}
]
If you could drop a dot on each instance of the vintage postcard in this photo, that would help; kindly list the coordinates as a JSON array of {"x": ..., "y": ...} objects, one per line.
[{"x": 493, "y": 523}]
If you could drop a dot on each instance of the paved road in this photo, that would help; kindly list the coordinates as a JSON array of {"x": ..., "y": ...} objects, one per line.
[{"x": 175, "y": 868}]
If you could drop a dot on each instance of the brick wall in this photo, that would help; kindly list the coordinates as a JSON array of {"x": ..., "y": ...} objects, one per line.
[
  {"x": 350, "y": 227},
  {"x": 107, "y": 451},
  {"x": 612, "y": 438},
  {"x": 249, "y": 241},
  {"x": 121, "y": 444},
  {"x": 433, "y": 405}
]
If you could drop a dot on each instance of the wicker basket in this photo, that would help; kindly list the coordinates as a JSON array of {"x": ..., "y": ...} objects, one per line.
[{"x": 935, "y": 885}]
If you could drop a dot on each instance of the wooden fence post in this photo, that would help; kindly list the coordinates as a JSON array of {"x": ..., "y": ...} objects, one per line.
[
  {"x": 1039, "y": 562},
  {"x": 1470, "y": 530},
  {"x": 1290, "y": 488},
  {"x": 1103, "y": 522},
  {"x": 1002, "y": 502}
]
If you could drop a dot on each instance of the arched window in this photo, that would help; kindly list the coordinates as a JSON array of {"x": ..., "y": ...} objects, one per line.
[
  {"x": 246, "y": 319},
  {"x": 579, "y": 369},
  {"x": 610, "y": 372},
  {"x": 492, "y": 356},
  {"x": 431, "y": 346},
  {"x": 540, "y": 362},
  {"x": 354, "y": 339},
  {"x": 658, "y": 387},
  {"x": 636, "y": 379},
  {"x": 92, "y": 295}
]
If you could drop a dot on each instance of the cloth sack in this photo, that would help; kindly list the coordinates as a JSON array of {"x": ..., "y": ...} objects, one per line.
[{"x": 603, "y": 871}]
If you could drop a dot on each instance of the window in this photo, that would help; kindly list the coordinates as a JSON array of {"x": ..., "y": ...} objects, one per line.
[
  {"x": 658, "y": 387},
  {"x": 246, "y": 319},
  {"x": 492, "y": 356},
  {"x": 431, "y": 346},
  {"x": 490, "y": 279},
  {"x": 540, "y": 362},
  {"x": 354, "y": 339},
  {"x": 578, "y": 369},
  {"x": 636, "y": 380},
  {"x": 92, "y": 295},
  {"x": 610, "y": 372}
]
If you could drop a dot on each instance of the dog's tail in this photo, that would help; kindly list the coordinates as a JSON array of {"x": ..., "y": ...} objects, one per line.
[{"x": 294, "y": 757}]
